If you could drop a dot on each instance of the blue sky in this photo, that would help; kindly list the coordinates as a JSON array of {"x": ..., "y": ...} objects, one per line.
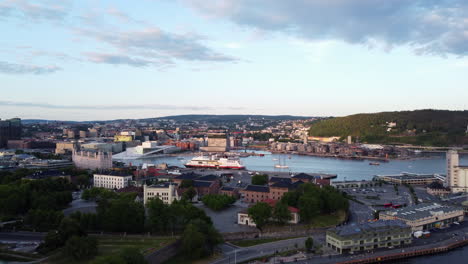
[{"x": 91, "y": 59}]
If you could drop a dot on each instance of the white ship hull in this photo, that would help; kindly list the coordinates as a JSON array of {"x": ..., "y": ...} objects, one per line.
[{"x": 215, "y": 163}]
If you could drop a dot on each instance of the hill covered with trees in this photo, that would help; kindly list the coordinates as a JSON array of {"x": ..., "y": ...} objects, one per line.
[{"x": 420, "y": 127}]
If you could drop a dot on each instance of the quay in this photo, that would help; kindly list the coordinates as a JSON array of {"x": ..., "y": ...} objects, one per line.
[{"x": 409, "y": 254}]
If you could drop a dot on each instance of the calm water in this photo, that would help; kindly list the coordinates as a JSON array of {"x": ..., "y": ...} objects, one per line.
[{"x": 345, "y": 169}]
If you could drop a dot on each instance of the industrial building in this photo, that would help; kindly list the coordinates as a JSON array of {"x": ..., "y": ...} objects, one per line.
[
  {"x": 111, "y": 180},
  {"x": 368, "y": 236},
  {"x": 410, "y": 178},
  {"x": 425, "y": 216},
  {"x": 92, "y": 160},
  {"x": 217, "y": 142}
]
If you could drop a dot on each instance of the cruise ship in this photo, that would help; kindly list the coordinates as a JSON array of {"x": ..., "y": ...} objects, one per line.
[{"x": 215, "y": 162}]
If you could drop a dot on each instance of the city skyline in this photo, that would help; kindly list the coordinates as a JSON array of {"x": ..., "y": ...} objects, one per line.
[{"x": 104, "y": 60}]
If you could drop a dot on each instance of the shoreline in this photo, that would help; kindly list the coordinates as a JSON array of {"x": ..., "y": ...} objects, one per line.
[{"x": 411, "y": 254}]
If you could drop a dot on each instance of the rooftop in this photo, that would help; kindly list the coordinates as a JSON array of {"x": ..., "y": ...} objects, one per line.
[
  {"x": 419, "y": 211},
  {"x": 377, "y": 226},
  {"x": 198, "y": 183},
  {"x": 410, "y": 176},
  {"x": 113, "y": 173},
  {"x": 162, "y": 185},
  {"x": 227, "y": 188},
  {"x": 187, "y": 176},
  {"x": 310, "y": 176},
  {"x": 257, "y": 188},
  {"x": 210, "y": 177}
]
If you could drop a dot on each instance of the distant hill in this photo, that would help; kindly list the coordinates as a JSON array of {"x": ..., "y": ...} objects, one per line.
[
  {"x": 182, "y": 118},
  {"x": 420, "y": 127},
  {"x": 227, "y": 118}
]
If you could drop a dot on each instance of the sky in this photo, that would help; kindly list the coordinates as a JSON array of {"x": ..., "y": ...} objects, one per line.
[{"x": 100, "y": 60}]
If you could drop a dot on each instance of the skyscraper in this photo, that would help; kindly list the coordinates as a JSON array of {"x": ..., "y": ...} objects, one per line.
[
  {"x": 457, "y": 175},
  {"x": 9, "y": 129}
]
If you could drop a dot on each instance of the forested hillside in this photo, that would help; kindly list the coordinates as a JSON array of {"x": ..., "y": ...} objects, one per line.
[{"x": 421, "y": 127}]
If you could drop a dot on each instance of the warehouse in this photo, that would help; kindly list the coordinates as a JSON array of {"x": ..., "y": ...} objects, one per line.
[{"x": 425, "y": 216}]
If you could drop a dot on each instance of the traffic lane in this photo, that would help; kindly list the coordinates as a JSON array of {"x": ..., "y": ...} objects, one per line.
[
  {"x": 243, "y": 254},
  {"x": 22, "y": 236}
]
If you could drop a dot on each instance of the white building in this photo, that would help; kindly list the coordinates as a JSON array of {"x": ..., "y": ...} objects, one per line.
[
  {"x": 167, "y": 192},
  {"x": 111, "y": 181},
  {"x": 457, "y": 175}
]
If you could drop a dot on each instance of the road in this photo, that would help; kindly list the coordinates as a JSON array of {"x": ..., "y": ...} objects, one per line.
[
  {"x": 233, "y": 254},
  {"x": 22, "y": 236},
  {"x": 80, "y": 205}
]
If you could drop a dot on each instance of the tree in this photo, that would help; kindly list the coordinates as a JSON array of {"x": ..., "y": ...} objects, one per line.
[
  {"x": 189, "y": 193},
  {"x": 193, "y": 242},
  {"x": 260, "y": 214},
  {"x": 218, "y": 201},
  {"x": 70, "y": 227},
  {"x": 121, "y": 215},
  {"x": 83, "y": 180},
  {"x": 309, "y": 206},
  {"x": 158, "y": 215},
  {"x": 43, "y": 220},
  {"x": 81, "y": 248},
  {"x": 186, "y": 184},
  {"x": 260, "y": 179},
  {"x": 281, "y": 213},
  {"x": 109, "y": 259},
  {"x": 51, "y": 242},
  {"x": 132, "y": 256},
  {"x": 309, "y": 243}
]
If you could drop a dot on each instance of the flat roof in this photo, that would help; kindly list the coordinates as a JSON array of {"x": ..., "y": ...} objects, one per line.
[
  {"x": 377, "y": 226},
  {"x": 419, "y": 211},
  {"x": 409, "y": 176}
]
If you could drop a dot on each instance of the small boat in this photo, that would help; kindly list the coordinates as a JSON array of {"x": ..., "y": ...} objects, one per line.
[
  {"x": 374, "y": 163},
  {"x": 281, "y": 166},
  {"x": 275, "y": 159}
]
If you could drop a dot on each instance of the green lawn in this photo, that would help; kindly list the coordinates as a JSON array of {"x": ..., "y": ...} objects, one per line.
[
  {"x": 253, "y": 242},
  {"x": 109, "y": 245},
  {"x": 328, "y": 220},
  {"x": 181, "y": 259}
]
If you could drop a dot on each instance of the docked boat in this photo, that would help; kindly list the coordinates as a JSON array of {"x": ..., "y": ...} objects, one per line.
[{"x": 215, "y": 162}]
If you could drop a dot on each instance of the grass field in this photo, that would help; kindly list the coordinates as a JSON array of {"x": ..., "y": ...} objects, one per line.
[
  {"x": 109, "y": 245},
  {"x": 253, "y": 242},
  {"x": 328, "y": 220},
  {"x": 180, "y": 259}
]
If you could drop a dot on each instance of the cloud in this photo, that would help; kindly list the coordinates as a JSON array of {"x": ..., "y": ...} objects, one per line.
[
  {"x": 152, "y": 46},
  {"x": 117, "y": 59},
  {"x": 12, "y": 68},
  {"x": 36, "y": 10},
  {"x": 428, "y": 26},
  {"x": 123, "y": 17},
  {"x": 111, "y": 107}
]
